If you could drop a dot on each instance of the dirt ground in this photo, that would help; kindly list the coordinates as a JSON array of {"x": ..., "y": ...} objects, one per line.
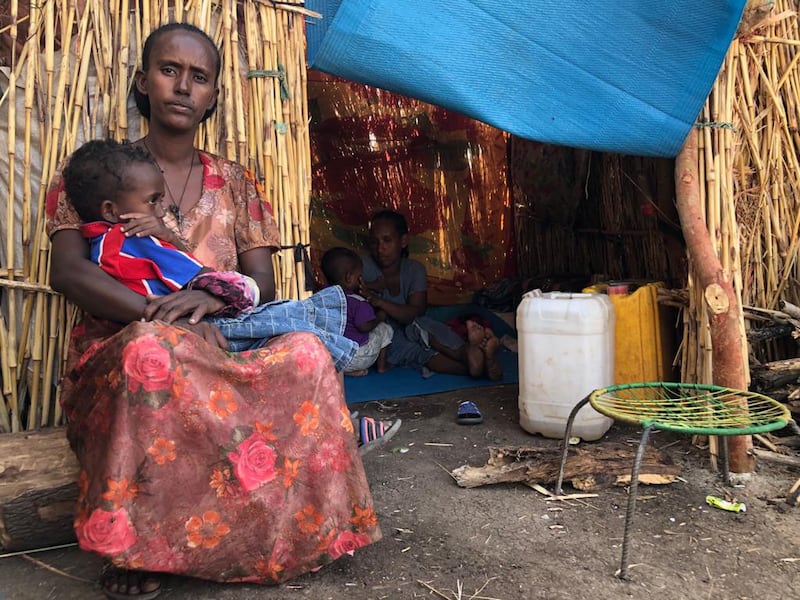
[{"x": 507, "y": 541}]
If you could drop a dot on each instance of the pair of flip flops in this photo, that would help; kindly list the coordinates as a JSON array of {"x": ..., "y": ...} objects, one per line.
[
  {"x": 374, "y": 433},
  {"x": 468, "y": 413}
]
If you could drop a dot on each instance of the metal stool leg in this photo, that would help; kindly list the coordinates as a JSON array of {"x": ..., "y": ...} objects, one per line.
[
  {"x": 623, "y": 569},
  {"x": 565, "y": 444},
  {"x": 726, "y": 472}
]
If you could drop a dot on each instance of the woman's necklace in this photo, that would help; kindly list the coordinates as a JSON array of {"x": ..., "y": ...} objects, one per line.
[{"x": 174, "y": 207}]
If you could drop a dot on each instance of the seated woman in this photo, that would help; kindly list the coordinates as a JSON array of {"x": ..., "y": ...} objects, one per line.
[
  {"x": 195, "y": 461},
  {"x": 397, "y": 286}
]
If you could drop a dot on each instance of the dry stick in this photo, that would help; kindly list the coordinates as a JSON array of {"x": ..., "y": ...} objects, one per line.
[
  {"x": 284, "y": 215},
  {"x": 44, "y": 565},
  {"x": 268, "y": 124},
  {"x": 280, "y": 162},
  {"x": 38, "y": 320},
  {"x": 12, "y": 364},
  {"x": 242, "y": 149},
  {"x": 303, "y": 162},
  {"x": 50, "y": 136},
  {"x": 34, "y": 40},
  {"x": 5, "y": 422},
  {"x": 227, "y": 53},
  {"x": 22, "y": 336},
  {"x": 432, "y": 589},
  {"x": 123, "y": 60},
  {"x": 285, "y": 6},
  {"x": 297, "y": 189},
  {"x": 254, "y": 133}
]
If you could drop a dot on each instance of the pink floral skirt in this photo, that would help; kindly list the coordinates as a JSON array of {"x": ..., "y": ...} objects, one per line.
[{"x": 203, "y": 463}]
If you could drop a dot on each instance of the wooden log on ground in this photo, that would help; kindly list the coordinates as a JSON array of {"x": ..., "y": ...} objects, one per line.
[
  {"x": 790, "y": 309},
  {"x": 774, "y": 457},
  {"x": 771, "y": 332},
  {"x": 775, "y": 374},
  {"x": 38, "y": 489},
  {"x": 587, "y": 468}
]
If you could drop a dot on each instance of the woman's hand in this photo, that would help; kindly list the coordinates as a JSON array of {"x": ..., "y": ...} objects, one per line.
[
  {"x": 209, "y": 332},
  {"x": 378, "y": 285},
  {"x": 369, "y": 295},
  {"x": 195, "y": 304},
  {"x": 141, "y": 224}
]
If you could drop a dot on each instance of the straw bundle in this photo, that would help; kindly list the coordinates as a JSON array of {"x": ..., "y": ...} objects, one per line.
[
  {"x": 748, "y": 158},
  {"x": 71, "y": 70}
]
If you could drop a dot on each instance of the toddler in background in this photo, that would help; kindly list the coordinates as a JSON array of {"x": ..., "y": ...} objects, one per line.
[{"x": 342, "y": 267}]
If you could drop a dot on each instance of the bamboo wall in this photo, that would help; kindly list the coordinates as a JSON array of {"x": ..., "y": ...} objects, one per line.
[
  {"x": 748, "y": 158},
  {"x": 583, "y": 216},
  {"x": 71, "y": 68}
]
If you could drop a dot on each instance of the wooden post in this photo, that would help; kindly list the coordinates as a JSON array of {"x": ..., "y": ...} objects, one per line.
[{"x": 722, "y": 303}]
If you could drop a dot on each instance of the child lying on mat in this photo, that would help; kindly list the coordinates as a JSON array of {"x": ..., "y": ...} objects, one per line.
[
  {"x": 117, "y": 190},
  {"x": 342, "y": 267}
]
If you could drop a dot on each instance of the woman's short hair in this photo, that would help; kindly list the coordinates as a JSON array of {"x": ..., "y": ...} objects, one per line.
[
  {"x": 396, "y": 220},
  {"x": 97, "y": 171},
  {"x": 142, "y": 101}
]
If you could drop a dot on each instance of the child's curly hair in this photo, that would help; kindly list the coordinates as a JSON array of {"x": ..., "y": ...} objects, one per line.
[
  {"x": 97, "y": 171},
  {"x": 337, "y": 263}
]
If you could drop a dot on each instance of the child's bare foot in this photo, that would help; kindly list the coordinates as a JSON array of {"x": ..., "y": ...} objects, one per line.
[
  {"x": 357, "y": 373},
  {"x": 489, "y": 347},
  {"x": 476, "y": 361},
  {"x": 475, "y": 332}
]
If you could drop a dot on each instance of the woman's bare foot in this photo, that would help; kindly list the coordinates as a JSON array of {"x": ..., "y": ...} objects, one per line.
[
  {"x": 476, "y": 359},
  {"x": 489, "y": 347},
  {"x": 357, "y": 373},
  {"x": 132, "y": 585}
]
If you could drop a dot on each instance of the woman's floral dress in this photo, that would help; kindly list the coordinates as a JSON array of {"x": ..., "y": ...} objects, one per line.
[{"x": 205, "y": 463}]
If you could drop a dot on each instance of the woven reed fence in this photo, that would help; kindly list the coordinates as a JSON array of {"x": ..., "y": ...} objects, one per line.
[
  {"x": 69, "y": 81},
  {"x": 621, "y": 222},
  {"x": 748, "y": 158}
]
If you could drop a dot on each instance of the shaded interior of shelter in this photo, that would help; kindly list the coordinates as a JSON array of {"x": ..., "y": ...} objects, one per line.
[
  {"x": 495, "y": 205},
  {"x": 491, "y": 215}
]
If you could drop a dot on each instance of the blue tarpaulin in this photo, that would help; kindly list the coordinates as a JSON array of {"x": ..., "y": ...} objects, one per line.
[{"x": 626, "y": 76}]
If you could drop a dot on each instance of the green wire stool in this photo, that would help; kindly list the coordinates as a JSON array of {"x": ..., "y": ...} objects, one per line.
[{"x": 690, "y": 408}]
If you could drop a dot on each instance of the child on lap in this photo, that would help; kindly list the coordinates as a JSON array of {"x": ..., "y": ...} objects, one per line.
[
  {"x": 117, "y": 190},
  {"x": 342, "y": 266}
]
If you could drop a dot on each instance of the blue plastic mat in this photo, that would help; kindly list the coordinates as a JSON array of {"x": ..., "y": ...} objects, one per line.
[
  {"x": 627, "y": 76},
  {"x": 403, "y": 382}
]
